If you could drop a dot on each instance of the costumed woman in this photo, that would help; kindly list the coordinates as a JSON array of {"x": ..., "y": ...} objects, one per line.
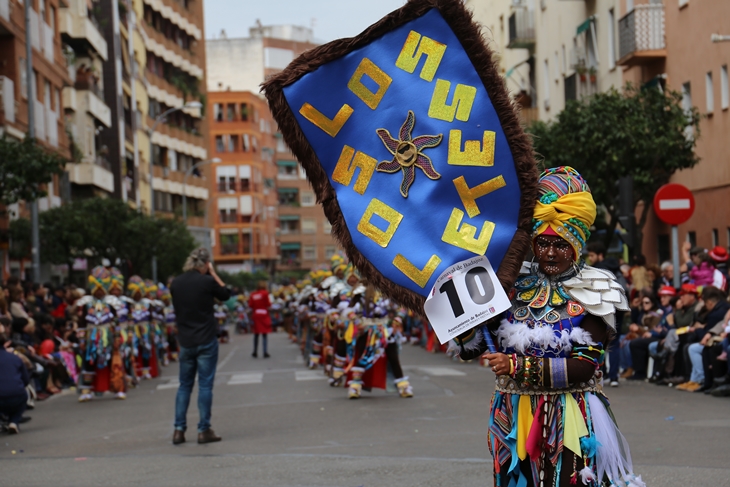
[
  {"x": 102, "y": 367},
  {"x": 260, "y": 303},
  {"x": 550, "y": 424},
  {"x": 140, "y": 318}
]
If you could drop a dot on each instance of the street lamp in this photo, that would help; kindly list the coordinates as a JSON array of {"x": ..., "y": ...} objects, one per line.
[
  {"x": 190, "y": 170},
  {"x": 160, "y": 118}
]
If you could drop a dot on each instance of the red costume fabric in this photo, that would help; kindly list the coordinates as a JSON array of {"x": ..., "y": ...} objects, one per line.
[{"x": 260, "y": 303}]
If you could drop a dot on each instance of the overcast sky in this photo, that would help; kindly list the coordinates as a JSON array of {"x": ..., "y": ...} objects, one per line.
[{"x": 332, "y": 18}]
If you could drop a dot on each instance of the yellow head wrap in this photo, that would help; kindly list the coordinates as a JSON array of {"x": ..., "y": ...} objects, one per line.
[
  {"x": 565, "y": 206},
  {"x": 100, "y": 278}
]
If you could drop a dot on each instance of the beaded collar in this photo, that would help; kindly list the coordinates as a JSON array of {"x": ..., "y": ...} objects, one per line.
[{"x": 544, "y": 297}]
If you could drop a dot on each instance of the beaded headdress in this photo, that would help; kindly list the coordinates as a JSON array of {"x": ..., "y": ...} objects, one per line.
[
  {"x": 100, "y": 278},
  {"x": 136, "y": 284}
]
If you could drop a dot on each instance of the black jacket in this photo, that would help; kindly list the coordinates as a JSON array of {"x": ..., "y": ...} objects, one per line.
[
  {"x": 712, "y": 318},
  {"x": 13, "y": 375},
  {"x": 193, "y": 296}
]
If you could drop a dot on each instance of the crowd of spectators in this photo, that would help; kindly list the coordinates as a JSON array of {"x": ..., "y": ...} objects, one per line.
[
  {"x": 676, "y": 337},
  {"x": 38, "y": 346}
]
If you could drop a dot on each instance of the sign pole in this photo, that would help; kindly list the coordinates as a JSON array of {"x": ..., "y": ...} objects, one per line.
[{"x": 675, "y": 255}]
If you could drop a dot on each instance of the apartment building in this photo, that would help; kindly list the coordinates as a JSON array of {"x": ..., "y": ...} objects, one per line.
[
  {"x": 49, "y": 76},
  {"x": 552, "y": 51},
  {"x": 237, "y": 67},
  {"x": 668, "y": 45},
  {"x": 244, "y": 193},
  {"x": 86, "y": 113}
]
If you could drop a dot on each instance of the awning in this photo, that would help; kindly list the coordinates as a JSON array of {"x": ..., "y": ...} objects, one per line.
[
  {"x": 286, "y": 163},
  {"x": 585, "y": 25},
  {"x": 288, "y": 190},
  {"x": 291, "y": 246},
  {"x": 288, "y": 218}
]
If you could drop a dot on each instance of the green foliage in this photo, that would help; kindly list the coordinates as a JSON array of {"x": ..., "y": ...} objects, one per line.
[
  {"x": 637, "y": 132},
  {"x": 243, "y": 280},
  {"x": 24, "y": 166},
  {"x": 20, "y": 239},
  {"x": 105, "y": 228}
]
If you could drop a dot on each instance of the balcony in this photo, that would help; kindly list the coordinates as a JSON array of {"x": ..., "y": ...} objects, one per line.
[
  {"x": 522, "y": 29},
  {"x": 7, "y": 91},
  {"x": 89, "y": 101},
  {"x": 77, "y": 29},
  {"x": 91, "y": 174},
  {"x": 229, "y": 249},
  {"x": 227, "y": 218},
  {"x": 5, "y": 10},
  {"x": 641, "y": 35}
]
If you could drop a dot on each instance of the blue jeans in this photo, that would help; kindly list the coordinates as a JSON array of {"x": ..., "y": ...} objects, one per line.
[
  {"x": 625, "y": 353},
  {"x": 698, "y": 370},
  {"x": 202, "y": 360}
]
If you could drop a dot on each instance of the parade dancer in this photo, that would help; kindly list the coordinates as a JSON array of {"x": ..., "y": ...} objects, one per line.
[
  {"x": 168, "y": 321},
  {"x": 102, "y": 364},
  {"x": 550, "y": 423},
  {"x": 140, "y": 318},
  {"x": 158, "y": 337}
]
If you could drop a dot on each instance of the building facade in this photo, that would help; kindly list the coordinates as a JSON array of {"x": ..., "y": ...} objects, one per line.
[
  {"x": 244, "y": 198},
  {"x": 236, "y": 68},
  {"x": 49, "y": 76},
  {"x": 669, "y": 45}
]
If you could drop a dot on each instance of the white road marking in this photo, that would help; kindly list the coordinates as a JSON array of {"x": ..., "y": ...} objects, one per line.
[
  {"x": 441, "y": 371},
  {"x": 173, "y": 384},
  {"x": 309, "y": 375},
  {"x": 248, "y": 378}
]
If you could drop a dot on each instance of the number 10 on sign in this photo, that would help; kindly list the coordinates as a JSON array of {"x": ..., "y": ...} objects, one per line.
[{"x": 464, "y": 296}]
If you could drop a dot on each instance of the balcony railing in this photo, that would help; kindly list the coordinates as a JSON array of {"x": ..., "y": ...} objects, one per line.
[
  {"x": 228, "y": 218},
  {"x": 522, "y": 28},
  {"x": 641, "y": 34},
  {"x": 230, "y": 249}
]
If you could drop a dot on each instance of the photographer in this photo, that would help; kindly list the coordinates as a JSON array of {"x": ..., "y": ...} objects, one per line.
[{"x": 193, "y": 295}]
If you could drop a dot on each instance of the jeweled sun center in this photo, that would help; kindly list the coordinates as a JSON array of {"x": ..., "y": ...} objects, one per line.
[{"x": 406, "y": 154}]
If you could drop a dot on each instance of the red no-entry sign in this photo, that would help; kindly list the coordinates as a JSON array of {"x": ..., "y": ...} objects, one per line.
[{"x": 674, "y": 204}]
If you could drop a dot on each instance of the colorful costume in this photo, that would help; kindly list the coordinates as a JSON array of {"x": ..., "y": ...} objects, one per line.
[
  {"x": 168, "y": 321},
  {"x": 550, "y": 423},
  {"x": 140, "y": 319},
  {"x": 102, "y": 362}
]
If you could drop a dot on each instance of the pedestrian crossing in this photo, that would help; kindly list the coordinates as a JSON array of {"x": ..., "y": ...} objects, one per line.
[{"x": 257, "y": 377}]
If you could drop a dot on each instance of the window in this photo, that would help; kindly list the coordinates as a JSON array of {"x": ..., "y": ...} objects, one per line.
[
  {"x": 663, "y": 248},
  {"x": 546, "y": 83},
  {"x": 281, "y": 145},
  {"x": 24, "y": 77},
  {"x": 611, "y": 29},
  {"x": 570, "y": 88},
  {"x": 254, "y": 143},
  {"x": 286, "y": 169},
  {"x": 715, "y": 237},
  {"x": 309, "y": 252},
  {"x": 309, "y": 225},
  {"x": 692, "y": 238},
  {"x": 687, "y": 106},
  {"x": 219, "y": 145},
  {"x": 244, "y": 112},
  {"x": 227, "y": 209},
  {"x": 709, "y": 92},
  {"x": 232, "y": 143},
  {"x": 229, "y": 241},
  {"x": 289, "y": 224},
  {"x": 231, "y": 112},
  {"x": 724, "y": 88},
  {"x": 329, "y": 251},
  {"x": 244, "y": 172},
  {"x": 289, "y": 196},
  {"x": 246, "y": 143},
  {"x": 218, "y": 112},
  {"x": 326, "y": 227},
  {"x": 308, "y": 198}
]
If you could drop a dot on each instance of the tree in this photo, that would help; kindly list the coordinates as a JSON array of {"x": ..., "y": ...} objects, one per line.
[
  {"x": 640, "y": 132},
  {"x": 24, "y": 167},
  {"x": 104, "y": 228},
  {"x": 20, "y": 239}
]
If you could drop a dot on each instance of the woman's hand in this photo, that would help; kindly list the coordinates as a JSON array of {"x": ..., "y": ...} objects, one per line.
[{"x": 499, "y": 363}]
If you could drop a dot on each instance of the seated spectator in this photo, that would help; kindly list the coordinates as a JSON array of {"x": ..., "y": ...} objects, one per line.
[
  {"x": 667, "y": 270},
  {"x": 719, "y": 258},
  {"x": 665, "y": 351},
  {"x": 704, "y": 272},
  {"x": 13, "y": 380},
  {"x": 653, "y": 328},
  {"x": 666, "y": 296},
  {"x": 702, "y": 334}
]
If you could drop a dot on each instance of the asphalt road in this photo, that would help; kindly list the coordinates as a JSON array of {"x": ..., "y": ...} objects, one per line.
[{"x": 283, "y": 426}]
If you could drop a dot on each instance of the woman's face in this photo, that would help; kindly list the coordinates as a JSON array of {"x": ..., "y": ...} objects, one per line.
[
  {"x": 666, "y": 300},
  {"x": 554, "y": 254},
  {"x": 646, "y": 304}
]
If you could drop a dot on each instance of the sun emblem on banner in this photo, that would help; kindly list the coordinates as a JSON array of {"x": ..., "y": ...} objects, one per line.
[{"x": 407, "y": 153}]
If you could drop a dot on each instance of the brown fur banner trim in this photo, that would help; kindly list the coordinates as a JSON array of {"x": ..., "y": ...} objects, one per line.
[{"x": 468, "y": 33}]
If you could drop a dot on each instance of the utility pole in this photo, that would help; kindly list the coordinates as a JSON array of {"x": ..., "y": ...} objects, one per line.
[{"x": 35, "y": 234}]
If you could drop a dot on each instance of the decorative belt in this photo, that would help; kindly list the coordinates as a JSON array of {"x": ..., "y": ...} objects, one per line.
[{"x": 508, "y": 385}]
